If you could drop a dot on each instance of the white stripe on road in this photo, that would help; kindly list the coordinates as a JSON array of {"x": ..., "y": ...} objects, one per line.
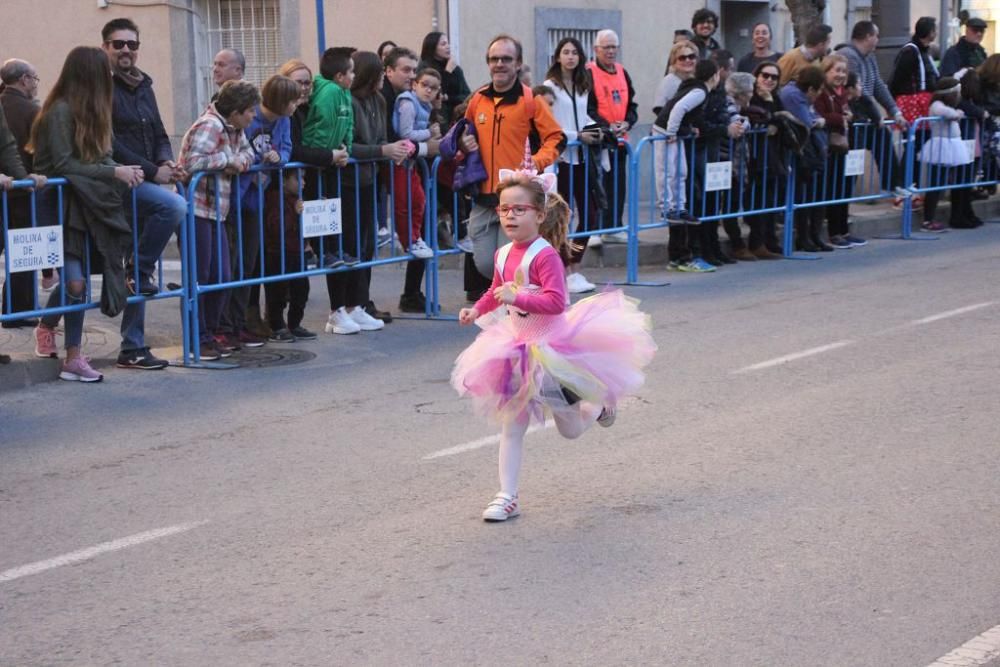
[
  {"x": 977, "y": 651},
  {"x": 171, "y": 264},
  {"x": 91, "y": 552},
  {"x": 480, "y": 443},
  {"x": 953, "y": 313},
  {"x": 794, "y": 356}
]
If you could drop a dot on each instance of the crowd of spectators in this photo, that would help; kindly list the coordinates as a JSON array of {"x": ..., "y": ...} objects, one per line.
[{"x": 365, "y": 117}]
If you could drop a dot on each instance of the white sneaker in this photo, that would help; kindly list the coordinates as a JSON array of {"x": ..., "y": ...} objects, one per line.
[
  {"x": 607, "y": 416},
  {"x": 364, "y": 320},
  {"x": 577, "y": 284},
  {"x": 502, "y": 507},
  {"x": 421, "y": 250},
  {"x": 617, "y": 237},
  {"x": 594, "y": 241},
  {"x": 340, "y": 322},
  {"x": 465, "y": 245}
]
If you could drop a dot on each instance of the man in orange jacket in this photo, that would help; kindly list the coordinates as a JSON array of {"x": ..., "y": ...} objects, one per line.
[{"x": 504, "y": 115}]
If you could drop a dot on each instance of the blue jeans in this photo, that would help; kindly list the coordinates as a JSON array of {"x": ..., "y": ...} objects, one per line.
[
  {"x": 72, "y": 270},
  {"x": 159, "y": 213}
]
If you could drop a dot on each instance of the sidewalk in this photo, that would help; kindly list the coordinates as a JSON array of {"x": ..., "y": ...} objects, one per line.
[{"x": 604, "y": 264}]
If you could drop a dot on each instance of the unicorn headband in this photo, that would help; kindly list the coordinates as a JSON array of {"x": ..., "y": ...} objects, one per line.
[{"x": 546, "y": 180}]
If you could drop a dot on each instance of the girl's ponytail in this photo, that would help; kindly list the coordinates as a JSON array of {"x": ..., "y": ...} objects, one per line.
[{"x": 555, "y": 226}]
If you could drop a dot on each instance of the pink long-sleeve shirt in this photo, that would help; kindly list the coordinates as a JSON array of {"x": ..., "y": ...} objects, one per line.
[{"x": 546, "y": 271}]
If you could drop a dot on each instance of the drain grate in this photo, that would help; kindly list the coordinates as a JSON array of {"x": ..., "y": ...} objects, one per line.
[{"x": 268, "y": 358}]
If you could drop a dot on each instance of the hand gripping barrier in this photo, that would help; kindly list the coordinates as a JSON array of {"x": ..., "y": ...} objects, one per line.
[{"x": 25, "y": 208}]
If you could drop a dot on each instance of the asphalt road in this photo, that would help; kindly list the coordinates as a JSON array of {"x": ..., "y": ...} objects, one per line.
[{"x": 808, "y": 478}]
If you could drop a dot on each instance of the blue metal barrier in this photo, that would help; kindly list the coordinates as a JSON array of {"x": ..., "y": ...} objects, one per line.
[
  {"x": 334, "y": 258},
  {"x": 63, "y": 307}
]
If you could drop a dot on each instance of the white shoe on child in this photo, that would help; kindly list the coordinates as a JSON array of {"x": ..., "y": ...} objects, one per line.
[
  {"x": 365, "y": 321},
  {"x": 340, "y": 322},
  {"x": 577, "y": 284},
  {"x": 607, "y": 416},
  {"x": 502, "y": 507}
]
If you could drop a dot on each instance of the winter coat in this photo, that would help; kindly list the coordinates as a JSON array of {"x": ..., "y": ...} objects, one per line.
[
  {"x": 93, "y": 205},
  {"x": 139, "y": 135}
]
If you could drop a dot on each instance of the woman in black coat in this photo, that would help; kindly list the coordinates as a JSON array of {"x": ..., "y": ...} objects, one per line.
[{"x": 436, "y": 53}]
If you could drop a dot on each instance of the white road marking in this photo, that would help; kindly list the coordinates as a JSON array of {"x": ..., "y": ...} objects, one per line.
[
  {"x": 794, "y": 356},
  {"x": 97, "y": 550},
  {"x": 953, "y": 313},
  {"x": 977, "y": 651},
  {"x": 173, "y": 265},
  {"x": 480, "y": 443}
]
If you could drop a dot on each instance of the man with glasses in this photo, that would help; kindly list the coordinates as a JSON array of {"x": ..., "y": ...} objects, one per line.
[
  {"x": 967, "y": 51},
  {"x": 18, "y": 101},
  {"x": 612, "y": 104},
  {"x": 503, "y": 119},
  {"x": 704, "y": 23},
  {"x": 141, "y": 139}
]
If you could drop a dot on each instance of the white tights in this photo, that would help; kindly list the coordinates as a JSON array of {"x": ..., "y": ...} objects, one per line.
[{"x": 571, "y": 425}]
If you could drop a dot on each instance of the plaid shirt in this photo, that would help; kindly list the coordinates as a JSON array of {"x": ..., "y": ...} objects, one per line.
[{"x": 211, "y": 144}]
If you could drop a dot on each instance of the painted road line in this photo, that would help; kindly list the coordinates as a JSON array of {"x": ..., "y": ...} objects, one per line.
[
  {"x": 97, "y": 550},
  {"x": 977, "y": 651},
  {"x": 480, "y": 443},
  {"x": 778, "y": 361},
  {"x": 952, "y": 313}
]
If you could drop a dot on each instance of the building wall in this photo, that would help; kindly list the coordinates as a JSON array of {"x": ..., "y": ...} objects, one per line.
[{"x": 66, "y": 24}]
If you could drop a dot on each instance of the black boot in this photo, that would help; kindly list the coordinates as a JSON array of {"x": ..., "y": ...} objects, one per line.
[
  {"x": 802, "y": 241},
  {"x": 816, "y": 235}
]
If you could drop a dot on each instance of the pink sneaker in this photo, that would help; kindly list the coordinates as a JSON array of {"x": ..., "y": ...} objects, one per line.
[
  {"x": 79, "y": 370},
  {"x": 45, "y": 342}
]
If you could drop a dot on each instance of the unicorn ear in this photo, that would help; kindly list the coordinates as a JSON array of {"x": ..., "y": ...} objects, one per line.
[
  {"x": 506, "y": 174},
  {"x": 549, "y": 182}
]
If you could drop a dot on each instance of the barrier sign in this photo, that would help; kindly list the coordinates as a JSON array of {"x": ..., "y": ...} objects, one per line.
[
  {"x": 321, "y": 217},
  {"x": 854, "y": 162},
  {"x": 718, "y": 176},
  {"x": 35, "y": 248}
]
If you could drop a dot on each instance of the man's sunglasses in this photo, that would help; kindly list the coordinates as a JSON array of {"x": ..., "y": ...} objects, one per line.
[{"x": 119, "y": 44}]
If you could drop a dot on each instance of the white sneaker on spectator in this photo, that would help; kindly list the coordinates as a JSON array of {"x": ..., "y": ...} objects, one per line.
[
  {"x": 577, "y": 284},
  {"x": 594, "y": 241},
  {"x": 617, "y": 237},
  {"x": 365, "y": 321},
  {"x": 48, "y": 282},
  {"x": 421, "y": 250},
  {"x": 340, "y": 322},
  {"x": 465, "y": 245}
]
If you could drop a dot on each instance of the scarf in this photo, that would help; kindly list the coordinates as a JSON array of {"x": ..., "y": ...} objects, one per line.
[{"x": 130, "y": 77}]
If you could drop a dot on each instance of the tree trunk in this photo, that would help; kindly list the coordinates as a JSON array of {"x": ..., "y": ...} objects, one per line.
[{"x": 805, "y": 15}]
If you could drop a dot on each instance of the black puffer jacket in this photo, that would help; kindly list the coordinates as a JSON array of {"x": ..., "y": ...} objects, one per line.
[{"x": 140, "y": 137}]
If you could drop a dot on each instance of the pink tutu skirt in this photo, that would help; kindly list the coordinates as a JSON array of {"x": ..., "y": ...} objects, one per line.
[{"x": 531, "y": 364}]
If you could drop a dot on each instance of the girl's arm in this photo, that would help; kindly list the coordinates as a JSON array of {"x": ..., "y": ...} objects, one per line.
[
  {"x": 407, "y": 118},
  {"x": 683, "y": 106},
  {"x": 202, "y": 148},
  {"x": 551, "y": 276},
  {"x": 283, "y": 139}
]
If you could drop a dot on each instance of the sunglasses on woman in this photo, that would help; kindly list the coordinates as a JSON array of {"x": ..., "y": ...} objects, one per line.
[
  {"x": 769, "y": 76},
  {"x": 688, "y": 56}
]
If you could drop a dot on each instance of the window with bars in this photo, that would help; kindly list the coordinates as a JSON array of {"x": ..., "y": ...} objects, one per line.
[
  {"x": 253, "y": 27},
  {"x": 586, "y": 38}
]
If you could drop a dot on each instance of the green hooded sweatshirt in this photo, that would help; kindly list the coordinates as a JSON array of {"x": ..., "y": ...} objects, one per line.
[{"x": 330, "y": 122}]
